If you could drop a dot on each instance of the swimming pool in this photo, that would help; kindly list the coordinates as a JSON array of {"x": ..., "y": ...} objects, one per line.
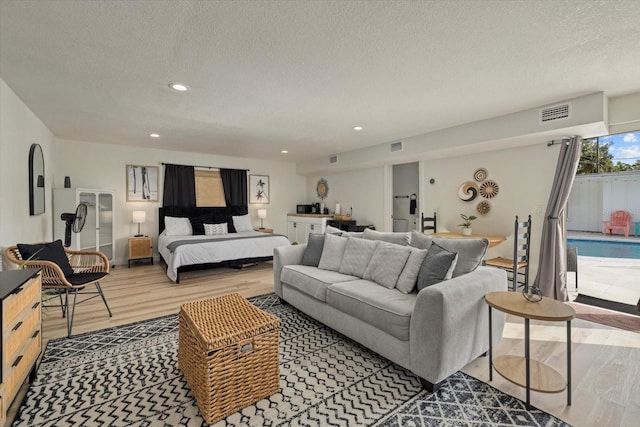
[{"x": 605, "y": 248}]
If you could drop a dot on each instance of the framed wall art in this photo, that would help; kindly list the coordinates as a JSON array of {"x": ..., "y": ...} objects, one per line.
[
  {"x": 142, "y": 183},
  {"x": 259, "y": 191}
]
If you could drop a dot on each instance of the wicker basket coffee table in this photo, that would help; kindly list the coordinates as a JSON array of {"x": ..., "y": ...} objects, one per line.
[{"x": 228, "y": 352}]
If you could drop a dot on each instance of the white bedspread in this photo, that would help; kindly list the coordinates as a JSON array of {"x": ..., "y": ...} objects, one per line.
[{"x": 225, "y": 250}]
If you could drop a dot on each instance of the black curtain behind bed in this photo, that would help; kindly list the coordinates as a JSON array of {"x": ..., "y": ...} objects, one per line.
[
  {"x": 179, "y": 186},
  {"x": 234, "y": 182}
]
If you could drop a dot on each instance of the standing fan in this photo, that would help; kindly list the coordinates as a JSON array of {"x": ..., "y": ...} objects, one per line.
[{"x": 74, "y": 221}]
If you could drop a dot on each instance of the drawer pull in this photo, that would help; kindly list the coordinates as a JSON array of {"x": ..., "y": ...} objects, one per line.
[
  {"x": 18, "y": 290},
  {"x": 17, "y": 362},
  {"x": 15, "y": 328},
  {"x": 35, "y": 305},
  {"x": 36, "y": 333}
]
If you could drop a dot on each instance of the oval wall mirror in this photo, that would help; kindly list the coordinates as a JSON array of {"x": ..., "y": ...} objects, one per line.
[{"x": 36, "y": 180}]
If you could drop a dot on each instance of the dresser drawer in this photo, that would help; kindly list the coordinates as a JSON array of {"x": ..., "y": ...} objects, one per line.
[
  {"x": 13, "y": 304},
  {"x": 18, "y": 368},
  {"x": 19, "y": 331}
]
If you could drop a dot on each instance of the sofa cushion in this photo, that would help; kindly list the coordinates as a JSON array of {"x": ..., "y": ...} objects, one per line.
[
  {"x": 420, "y": 240},
  {"x": 386, "y": 264},
  {"x": 386, "y": 309},
  {"x": 437, "y": 266},
  {"x": 357, "y": 254},
  {"x": 313, "y": 251},
  {"x": 390, "y": 237},
  {"x": 409, "y": 276},
  {"x": 470, "y": 252},
  {"x": 311, "y": 280},
  {"x": 332, "y": 252},
  {"x": 330, "y": 229}
]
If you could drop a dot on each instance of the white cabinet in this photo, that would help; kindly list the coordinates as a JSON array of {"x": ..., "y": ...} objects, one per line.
[
  {"x": 300, "y": 225},
  {"x": 97, "y": 233}
]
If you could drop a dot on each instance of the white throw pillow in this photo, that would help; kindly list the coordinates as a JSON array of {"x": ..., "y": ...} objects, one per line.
[
  {"x": 242, "y": 223},
  {"x": 174, "y": 226},
  {"x": 211, "y": 229},
  {"x": 332, "y": 252}
]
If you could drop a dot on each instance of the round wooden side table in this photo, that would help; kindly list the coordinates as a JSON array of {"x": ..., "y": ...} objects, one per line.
[{"x": 523, "y": 371}]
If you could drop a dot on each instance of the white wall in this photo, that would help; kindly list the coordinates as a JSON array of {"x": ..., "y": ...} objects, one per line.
[
  {"x": 524, "y": 176},
  {"x": 361, "y": 190},
  {"x": 107, "y": 172},
  {"x": 19, "y": 128}
]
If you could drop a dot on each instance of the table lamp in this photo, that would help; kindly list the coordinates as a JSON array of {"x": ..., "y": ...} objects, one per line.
[
  {"x": 138, "y": 218},
  {"x": 262, "y": 214}
]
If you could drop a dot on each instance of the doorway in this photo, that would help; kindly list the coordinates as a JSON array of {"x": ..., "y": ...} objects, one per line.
[{"x": 406, "y": 188}]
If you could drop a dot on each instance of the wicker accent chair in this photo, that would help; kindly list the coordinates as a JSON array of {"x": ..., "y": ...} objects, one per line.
[{"x": 89, "y": 267}]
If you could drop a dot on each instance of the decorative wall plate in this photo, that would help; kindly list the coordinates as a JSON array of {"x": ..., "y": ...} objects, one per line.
[
  {"x": 483, "y": 208},
  {"x": 468, "y": 191},
  {"x": 322, "y": 188},
  {"x": 489, "y": 189},
  {"x": 480, "y": 174}
]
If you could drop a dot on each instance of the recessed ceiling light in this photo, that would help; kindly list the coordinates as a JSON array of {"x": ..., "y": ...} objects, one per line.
[
  {"x": 179, "y": 87},
  {"x": 284, "y": 151},
  {"x": 154, "y": 135},
  {"x": 358, "y": 128}
]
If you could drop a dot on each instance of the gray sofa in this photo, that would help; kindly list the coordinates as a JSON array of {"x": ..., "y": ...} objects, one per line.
[{"x": 433, "y": 332}]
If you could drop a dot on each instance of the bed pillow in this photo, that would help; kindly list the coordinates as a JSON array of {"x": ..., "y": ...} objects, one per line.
[
  {"x": 332, "y": 252},
  {"x": 386, "y": 264},
  {"x": 437, "y": 266},
  {"x": 197, "y": 223},
  {"x": 177, "y": 226},
  {"x": 211, "y": 229},
  {"x": 242, "y": 223},
  {"x": 313, "y": 251},
  {"x": 53, "y": 252}
]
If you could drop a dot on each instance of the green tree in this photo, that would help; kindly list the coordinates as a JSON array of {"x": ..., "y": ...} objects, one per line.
[{"x": 595, "y": 157}]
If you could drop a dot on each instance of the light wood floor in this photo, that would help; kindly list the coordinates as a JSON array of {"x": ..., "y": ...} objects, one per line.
[{"x": 606, "y": 361}]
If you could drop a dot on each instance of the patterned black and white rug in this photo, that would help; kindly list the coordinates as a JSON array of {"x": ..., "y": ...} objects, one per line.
[{"x": 129, "y": 376}]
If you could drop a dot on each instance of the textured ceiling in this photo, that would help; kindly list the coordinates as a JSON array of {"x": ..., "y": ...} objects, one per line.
[{"x": 298, "y": 75}]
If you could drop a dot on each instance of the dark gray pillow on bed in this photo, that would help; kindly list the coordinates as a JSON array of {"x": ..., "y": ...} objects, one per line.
[
  {"x": 197, "y": 223},
  {"x": 313, "y": 251}
]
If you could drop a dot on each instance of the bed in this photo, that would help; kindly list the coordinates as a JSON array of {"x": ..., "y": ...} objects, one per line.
[{"x": 182, "y": 253}]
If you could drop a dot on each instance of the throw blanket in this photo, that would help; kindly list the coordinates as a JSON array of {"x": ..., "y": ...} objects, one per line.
[{"x": 173, "y": 245}]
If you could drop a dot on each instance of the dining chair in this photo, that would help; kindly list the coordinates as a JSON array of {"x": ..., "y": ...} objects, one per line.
[
  {"x": 518, "y": 265},
  {"x": 572, "y": 262},
  {"x": 426, "y": 222}
]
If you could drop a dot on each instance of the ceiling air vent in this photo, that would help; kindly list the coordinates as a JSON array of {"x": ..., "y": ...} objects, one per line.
[
  {"x": 396, "y": 146},
  {"x": 333, "y": 158},
  {"x": 555, "y": 112}
]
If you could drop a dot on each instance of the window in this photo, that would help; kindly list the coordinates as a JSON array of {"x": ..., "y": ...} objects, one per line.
[
  {"x": 611, "y": 153},
  {"x": 209, "y": 189}
]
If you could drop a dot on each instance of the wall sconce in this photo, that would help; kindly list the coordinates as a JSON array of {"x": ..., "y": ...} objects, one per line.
[
  {"x": 262, "y": 214},
  {"x": 139, "y": 218},
  {"x": 40, "y": 182}
]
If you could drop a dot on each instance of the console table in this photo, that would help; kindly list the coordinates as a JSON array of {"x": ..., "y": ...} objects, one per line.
[{"x": 523, "y": 371}]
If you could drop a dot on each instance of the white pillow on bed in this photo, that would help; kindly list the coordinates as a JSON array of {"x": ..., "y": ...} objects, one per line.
[
  {"x": 177, "y": 226},
  {"x": 211, "y": 229},
  {"x": 242, "y": 223}
]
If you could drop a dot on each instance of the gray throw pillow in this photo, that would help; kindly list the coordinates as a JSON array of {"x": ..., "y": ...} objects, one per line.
[
  {"x": 470, "y": 252},
  {"x": 386, "y": 264},
  {"x": 332, "y": 252},
  {"x": 313, "y": 251},
  {"x": 437, "y": 266},
  {"x": 357, "y": 255},
  {"x": 390, "y": 237},
  {"x": 407, "y": 280},
  {"x": 420, "y": 240}
]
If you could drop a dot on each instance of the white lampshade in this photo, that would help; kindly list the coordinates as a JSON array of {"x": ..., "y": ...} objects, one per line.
[
  {"x": 262, "y": 213},
  {"x": 139, "y": 217}
]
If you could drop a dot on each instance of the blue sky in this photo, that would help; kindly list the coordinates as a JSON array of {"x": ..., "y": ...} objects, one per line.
[{"x": 625, "y": 148}]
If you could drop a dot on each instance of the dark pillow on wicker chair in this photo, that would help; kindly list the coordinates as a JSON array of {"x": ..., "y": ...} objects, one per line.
[{"x": 53, "y": 252}]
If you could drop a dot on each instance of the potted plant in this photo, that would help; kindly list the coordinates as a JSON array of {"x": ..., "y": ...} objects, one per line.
[{"x": 466, "y": 223}]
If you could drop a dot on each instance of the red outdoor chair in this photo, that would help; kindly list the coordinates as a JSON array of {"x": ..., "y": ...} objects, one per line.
[{"x": 620, "y": 220}]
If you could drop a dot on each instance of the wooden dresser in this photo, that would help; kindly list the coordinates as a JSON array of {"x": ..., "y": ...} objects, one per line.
[{"x": 21, "y": 331}]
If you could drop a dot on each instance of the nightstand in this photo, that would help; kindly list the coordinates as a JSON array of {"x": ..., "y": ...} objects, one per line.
[
  {"x": 265, "y": 230},
  {"x": 140, "y": 248}
]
